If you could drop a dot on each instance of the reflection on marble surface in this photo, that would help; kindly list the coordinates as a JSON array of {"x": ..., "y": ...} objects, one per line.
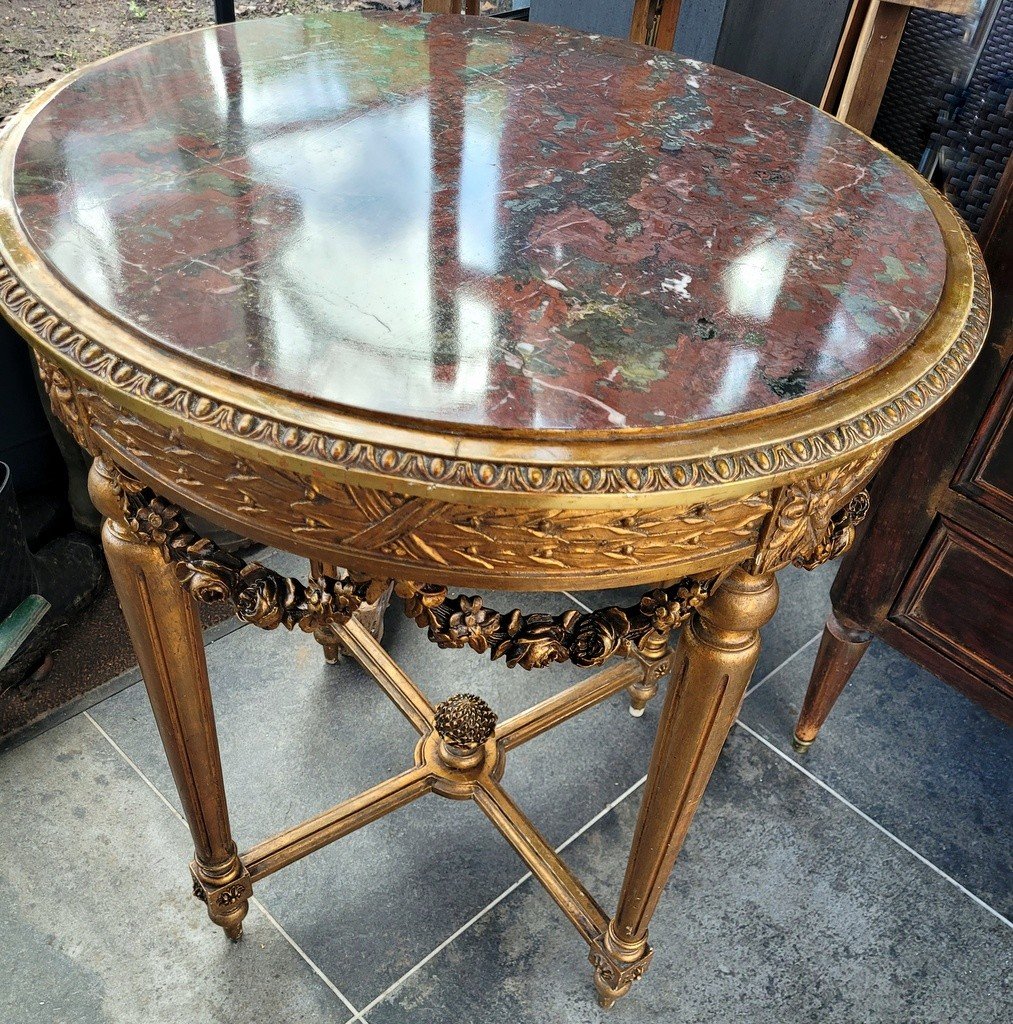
[{"x": 481, "y": 222}]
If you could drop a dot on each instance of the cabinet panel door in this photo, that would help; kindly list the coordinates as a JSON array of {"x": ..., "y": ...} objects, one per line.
[
  {"x": 958, "y": 599},
  {"x": 986, "y": 475}
]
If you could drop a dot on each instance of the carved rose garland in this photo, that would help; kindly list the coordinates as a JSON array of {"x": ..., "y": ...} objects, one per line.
[
  {"x": 539, "y": 639},
  {"x": 261, "y": 596}
]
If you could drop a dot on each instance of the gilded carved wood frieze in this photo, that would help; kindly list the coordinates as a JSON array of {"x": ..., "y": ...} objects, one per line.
[{"x": 352, "y": 521}]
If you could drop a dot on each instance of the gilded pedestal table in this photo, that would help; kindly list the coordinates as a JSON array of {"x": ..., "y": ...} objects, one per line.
[{"x": 457, "y": 303}]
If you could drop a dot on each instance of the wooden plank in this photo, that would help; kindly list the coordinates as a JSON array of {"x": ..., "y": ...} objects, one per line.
[
  {"x": 640, "y": 23},
  {"x": 959, "y": 7},
  {"x": 874, "y": 56},
  {"x": 668, "y": 20},
  {"x": 442, "y": 6},
  {"x": 844, "y": 56}
]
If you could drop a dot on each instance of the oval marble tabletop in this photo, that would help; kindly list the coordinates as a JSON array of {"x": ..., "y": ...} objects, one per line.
[{"x": 478, "y": 223}]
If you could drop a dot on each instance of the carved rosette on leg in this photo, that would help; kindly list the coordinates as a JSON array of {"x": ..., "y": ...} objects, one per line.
[
  {"x": 616, "y": 966},
  {"x": 227, "y": 901}
]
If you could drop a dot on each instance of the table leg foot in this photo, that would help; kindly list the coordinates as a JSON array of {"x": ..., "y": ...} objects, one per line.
[
  {"x": 800, "y": 745},
  {"x": 841, "y": 649},
  {"x": 333, "y": 649},
  {"x": 617, "y": 965},
  {"x": 226, "y": 890},
  {"x": 607, "y": 995}
]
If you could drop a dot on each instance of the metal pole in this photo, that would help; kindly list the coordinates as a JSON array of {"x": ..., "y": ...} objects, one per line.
[{"x": 225, "y": 11}]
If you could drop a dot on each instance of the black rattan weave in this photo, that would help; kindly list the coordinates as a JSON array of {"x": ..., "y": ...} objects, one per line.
[
  {"x": 920, "y": 87},
  {"x": 982, "y": 132},
  {"x": 927, "y": 107}
]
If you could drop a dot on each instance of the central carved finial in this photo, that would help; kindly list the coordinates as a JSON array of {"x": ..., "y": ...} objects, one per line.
[{"x": 465, "y": 721}]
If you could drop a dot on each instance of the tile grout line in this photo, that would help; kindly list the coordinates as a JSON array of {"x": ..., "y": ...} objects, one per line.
[
  {"x": 260, "y": 906},
  {"x": 791, "y": 657},
  {"x": 875, "y": 824},
  {"x": 144, "y": 778},
  {"x": 359, "y": 1015},
  {"x": 615, "y": 803},
  {"x": 577, "y": 601},
  {"x": 494, "y": 903},
  {"x": 356, "y": 1016}
]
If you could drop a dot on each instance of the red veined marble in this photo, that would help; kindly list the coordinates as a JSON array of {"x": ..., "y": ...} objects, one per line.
[{"x": 478, "y": 222}]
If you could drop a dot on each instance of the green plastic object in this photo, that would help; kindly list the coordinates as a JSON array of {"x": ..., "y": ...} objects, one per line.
[{"x": 18, "y": 626}]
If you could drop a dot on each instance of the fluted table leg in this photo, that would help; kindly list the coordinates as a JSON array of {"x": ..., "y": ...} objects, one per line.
[
  {"x": 167, "y": 639},
  {"x": 713, "y": 662}
]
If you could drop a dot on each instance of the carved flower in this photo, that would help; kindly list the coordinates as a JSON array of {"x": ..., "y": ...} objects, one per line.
[
  {"x": 598, "y": 636},
  {"x": 206, "y": 580},
  {"x": 259, "y": 598},
  {"x": 668, "y": 609},
  {"x": 157, "y": 520},
  {"x": 534, "y": 642},
  {"x": 857, "y": 509},
  {"x": 839, "y": 534},
  {"x": 344, "y": 598},
  {"x": 420, "y": 599},
  {"x": 234, "y": 894},
  {"x": 474, "y": 624},
  {"x": 664, "y": 615},
  {"x": 328, "y": 602}
]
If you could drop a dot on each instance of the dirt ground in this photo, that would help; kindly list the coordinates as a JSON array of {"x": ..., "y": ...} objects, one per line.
[{"x": 42, "y": 39}]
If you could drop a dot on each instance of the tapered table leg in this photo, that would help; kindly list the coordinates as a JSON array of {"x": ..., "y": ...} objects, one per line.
[
  {"x": 841, "y": 650},
  {"x": 167, "y": 640},
  {"x": 714, "y": 659}
]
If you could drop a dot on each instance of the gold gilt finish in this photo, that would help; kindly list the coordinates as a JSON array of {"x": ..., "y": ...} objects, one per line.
[{"x": 700, "y": 516}]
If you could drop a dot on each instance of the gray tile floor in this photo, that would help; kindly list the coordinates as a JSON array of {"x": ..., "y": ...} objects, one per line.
[{"x": 870, "y": 881}]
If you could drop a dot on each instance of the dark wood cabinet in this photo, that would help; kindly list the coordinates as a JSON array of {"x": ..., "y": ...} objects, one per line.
[{"x": 932, "y": 572}]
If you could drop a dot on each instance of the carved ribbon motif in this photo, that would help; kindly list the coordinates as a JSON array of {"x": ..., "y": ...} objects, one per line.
[
  {"x": 839, "y": 534},
  {"x": 267, "y": 599}
]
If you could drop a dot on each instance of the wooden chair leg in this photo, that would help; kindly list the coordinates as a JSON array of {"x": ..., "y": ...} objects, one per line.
[{"x": 841, "y": 650}]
